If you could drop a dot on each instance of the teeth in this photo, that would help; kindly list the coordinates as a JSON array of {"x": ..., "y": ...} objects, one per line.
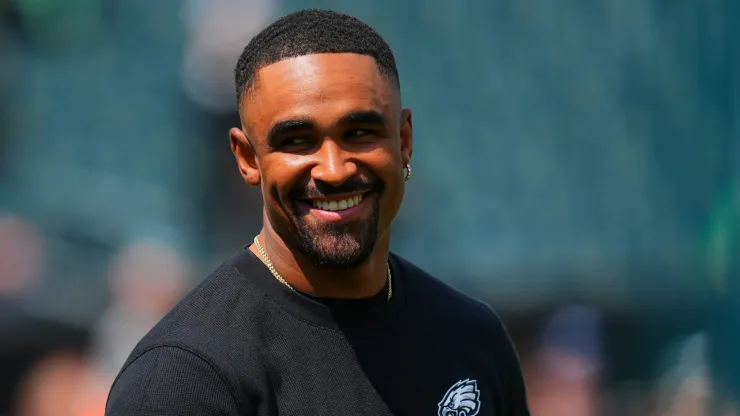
[{"x": 337, "y": 205}]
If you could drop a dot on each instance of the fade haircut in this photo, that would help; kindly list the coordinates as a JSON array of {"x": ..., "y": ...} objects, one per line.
[{"x": 309, "y": 32}]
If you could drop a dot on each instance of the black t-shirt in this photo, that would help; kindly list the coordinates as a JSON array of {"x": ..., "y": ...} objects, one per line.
[{"x": 242, "y": 343}]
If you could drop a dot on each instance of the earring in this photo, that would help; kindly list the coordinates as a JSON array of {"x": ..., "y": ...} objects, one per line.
[{"x": 407, "y": 173}]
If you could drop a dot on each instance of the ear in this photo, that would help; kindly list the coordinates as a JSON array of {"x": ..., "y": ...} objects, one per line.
[
  {"x": 407, "y": 136},
  {"x": 246, "y": 159}
]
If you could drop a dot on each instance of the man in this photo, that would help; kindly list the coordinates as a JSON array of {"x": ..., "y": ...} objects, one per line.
[{"x": 317, "y": 317}]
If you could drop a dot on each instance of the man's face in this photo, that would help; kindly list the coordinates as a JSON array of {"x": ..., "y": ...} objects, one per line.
[{"x": 326, "y": 139}]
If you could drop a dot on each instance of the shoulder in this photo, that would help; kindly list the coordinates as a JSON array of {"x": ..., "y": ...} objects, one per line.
[
  {"x": 207, "y": 325},
  {"x": 171, "y": 380},
  {"x": 445, "y": 302},
  {"x": 449, "y": 310},
  {"x": 188, "y": 356},
  {"x": 208, "y": 311}
]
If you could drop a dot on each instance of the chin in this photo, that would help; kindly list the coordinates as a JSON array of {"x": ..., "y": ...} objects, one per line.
[{"x": 341, "y": 252}]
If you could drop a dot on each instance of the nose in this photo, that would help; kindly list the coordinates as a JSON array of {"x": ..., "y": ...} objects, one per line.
[{"x": 333, "y": 166}]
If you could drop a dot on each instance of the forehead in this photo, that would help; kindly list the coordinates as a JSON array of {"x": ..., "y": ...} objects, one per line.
[{"x": 322, "y": 87}]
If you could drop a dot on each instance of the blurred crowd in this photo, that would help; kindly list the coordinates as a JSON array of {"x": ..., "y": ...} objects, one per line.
[{"x": 576, "y": 165}]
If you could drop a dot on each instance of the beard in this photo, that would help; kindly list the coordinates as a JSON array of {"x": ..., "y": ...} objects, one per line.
[
  {"x": 339, "y": 246},
  {"x": 342, "y": 245}
]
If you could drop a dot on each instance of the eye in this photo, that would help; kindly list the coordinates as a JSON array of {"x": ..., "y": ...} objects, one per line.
[
  {"x": 357, "y": 133},
  {"x": 295, "y": 141}
]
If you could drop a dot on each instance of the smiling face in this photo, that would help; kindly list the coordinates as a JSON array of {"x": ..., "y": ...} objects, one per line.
[{"x": 327, "y": 141}]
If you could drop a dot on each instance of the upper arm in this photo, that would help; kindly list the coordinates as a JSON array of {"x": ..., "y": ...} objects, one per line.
[
  {"x": 169, "y": 381},
  {"x": 515, "y": 392}
]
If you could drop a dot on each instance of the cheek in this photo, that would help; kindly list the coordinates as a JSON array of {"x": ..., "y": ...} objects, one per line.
[
  {"x": 278, "y": 201},
  {"x": 279, "y": 211},
  {"x": 274, "y": 179},
  {"x": 283, "y": 177},
  {"x": 394, "y": 191},
  {"x": 385, "y": 162},
  {"x": 395, "y": 199},
  {"x": 274, "y": 192}
]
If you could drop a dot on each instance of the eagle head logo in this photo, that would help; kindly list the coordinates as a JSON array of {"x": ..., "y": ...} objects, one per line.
[{"x": 462, "y": 399}]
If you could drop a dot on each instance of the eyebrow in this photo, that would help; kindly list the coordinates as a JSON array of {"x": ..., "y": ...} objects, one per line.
[
  {"x": 285, "y": 127},
  {"x": 367, "y": 117}
]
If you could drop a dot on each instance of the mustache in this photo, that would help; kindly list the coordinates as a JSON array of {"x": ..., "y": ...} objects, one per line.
[{"x": 319, "y": 189}]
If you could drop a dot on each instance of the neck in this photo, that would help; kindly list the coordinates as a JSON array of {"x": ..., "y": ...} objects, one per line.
[{"x": 361, "y": 282}]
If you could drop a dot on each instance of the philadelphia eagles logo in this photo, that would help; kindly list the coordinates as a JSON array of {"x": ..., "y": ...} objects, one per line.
[{"x": 462, "y": 399}]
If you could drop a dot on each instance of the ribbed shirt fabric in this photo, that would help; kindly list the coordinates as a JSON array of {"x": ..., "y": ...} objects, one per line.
[{"x": 242, "y": 343}]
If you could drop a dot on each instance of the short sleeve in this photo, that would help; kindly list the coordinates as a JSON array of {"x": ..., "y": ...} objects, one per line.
[
  {"x": 169, "y": 381},
  {"x": 515, "y": 392}
]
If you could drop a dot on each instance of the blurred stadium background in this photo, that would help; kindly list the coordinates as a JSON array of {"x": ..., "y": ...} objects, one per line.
[{"x": 576, "y": 165}]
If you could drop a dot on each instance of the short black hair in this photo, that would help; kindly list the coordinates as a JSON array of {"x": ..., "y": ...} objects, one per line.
[{"x": 309, "y": 32}]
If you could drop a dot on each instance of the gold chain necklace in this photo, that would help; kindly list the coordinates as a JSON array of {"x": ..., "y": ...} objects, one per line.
[{"x": 280, "y": 279}]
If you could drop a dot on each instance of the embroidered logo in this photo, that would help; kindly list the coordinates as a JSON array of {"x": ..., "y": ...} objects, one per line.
[{"x": 462, "y": 399}]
